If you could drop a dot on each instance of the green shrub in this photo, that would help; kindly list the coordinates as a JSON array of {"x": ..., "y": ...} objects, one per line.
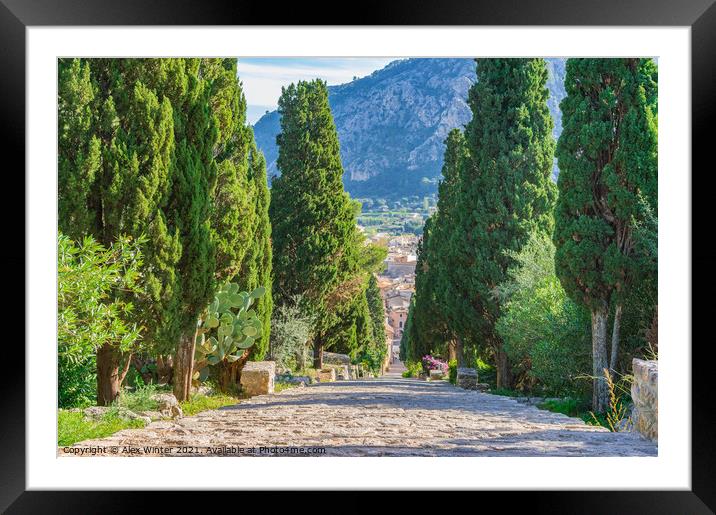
[
  {"x": 505, "y": 392},
  {"x": 89, "y": 312},
  {"x": 280, "y": 386},
  {"x": 140, "y": 399},
  {"x": 72, "y": 427},
  {"x": 569, "y": 406},
  {"x": 77, "y": 382},
  {"x": 414, "y": 369},
  {"x": 545, "y": 334},
  {"x": 485, "y": 372},
  {"x": 199, "y": 402},
  {"x": 452, "y": 371},
  {"x": 290, "y": 330}
]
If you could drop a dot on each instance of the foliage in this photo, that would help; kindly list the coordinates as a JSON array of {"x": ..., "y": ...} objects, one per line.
[
  {"x": 376, "y": 308},
  {"x": 290, "y": 331},
  {"x": 73, "y": 427},
  {"x": 76, "y": 381},
  {"x": 161, "y": 147},
  {"x": 115, "y": 145},
  {"x": 607, "y": 157},
  {"x": 200, "y": 402},
  {"x": 504, "y": 193},
  {"x": 94, "y": 284},
  {"x": 452, "y": 371},
  {"x": 372, "y": 358},
  {"x": 413, "y": 369},
  {"x": 569, "y": 406},
  {"x": 425, "y": 329},
  {"x": 617, "y": 406},
  {"x": 259, "y": 271},
  {"x": 227, "y": 328},
  {"x": 139, "y": 398},
  {"x": 89, "y": 315},
  {"x": 431, "y": 363},
  {"x": 313, "y": 220},
  {"x": 430, "y": 323},
  {"x": 602, "y": 94},
  {"x": 545, "y": 334}
]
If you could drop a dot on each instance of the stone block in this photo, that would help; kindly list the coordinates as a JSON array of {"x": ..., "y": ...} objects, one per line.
[
  {"x": 436, "y": 375},
  {"x": 332, "y": 358},
  {"x": 326, "y": 375},
  {"x": 258, "y": 377},
  {"x": 467, "y": 378},
  {"x": 645, "y": 394},
  {"x": 343, "y": 373}
]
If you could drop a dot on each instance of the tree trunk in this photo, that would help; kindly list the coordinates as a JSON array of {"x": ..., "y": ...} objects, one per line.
[
  {"x": 107, "y": 375},
  {"x": 229, "y": 376},
  {"x": 301, "y": 357},
  {"x": 139, "y": 364},
  {"x": 184, "y": 367},
  {"x": 616, "y": 329},
  {"x": 452, "y": 352},
  {"x": 600, "y": 392},
  {"x": 504, "y": 369},
  {"x": 459, "y": 352},
  {"x": 318, "y": 352},
  {"x": 165, "y": 369}
]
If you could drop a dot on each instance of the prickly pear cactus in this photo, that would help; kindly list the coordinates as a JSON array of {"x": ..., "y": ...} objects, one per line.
[{"x": 227, "y": 328}]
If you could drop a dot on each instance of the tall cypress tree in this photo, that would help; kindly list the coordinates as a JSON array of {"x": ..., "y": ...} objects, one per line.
[
  {"x": 261, "y": 252},
  {"x": 195, "y": 173},
  {"x": 116, "y": 143},
  {"x": 506, "y": 188},
  {"x": 445, "y": 274},
  {"x": 436, "y": 324},
  {"x": 376, "y": 308},
  {"x": 313, "y": 221},
  {"x": 608, "y": 169},
  {"x": 79, "y": 148},
  {"x": 160, "y": 147},
  {"x": 424, "y": 328}
]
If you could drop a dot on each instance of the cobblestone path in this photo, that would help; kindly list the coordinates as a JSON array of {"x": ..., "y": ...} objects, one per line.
[{"x": 388, "y": 416}]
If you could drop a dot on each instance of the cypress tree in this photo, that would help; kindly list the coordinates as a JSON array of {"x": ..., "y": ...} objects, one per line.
[
  {"x": 406, "y": 349},
  {"x": 447, "y": 303},
  {"x": 229, "y": 236},
  {"x": 239, "y": 202},
  {"x": 506, "y": 190},
  {"x": 376, "y": 308},
  {"x": 160, "y": 147},
  {"x": 424, "y": 328},
  {"x": 261, "y": 250},
  {"x": 116, "y": 143},
  {"x": 79, "y": 147},
  {"x": 313, "y": 221},
  {"x": 608, "y": 169},
  {"x": 435, "y": 321}
]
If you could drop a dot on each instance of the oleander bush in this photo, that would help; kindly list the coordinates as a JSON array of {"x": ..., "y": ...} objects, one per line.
[{"x": 432, "y": 363}]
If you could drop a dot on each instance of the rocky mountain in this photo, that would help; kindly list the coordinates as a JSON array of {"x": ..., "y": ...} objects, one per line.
[{"x": 392, "y": 123}]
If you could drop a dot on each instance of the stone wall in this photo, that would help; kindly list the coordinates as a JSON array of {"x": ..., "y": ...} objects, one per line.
[
  {"x": 645, "y": 394},
  {"x": 333, "y": 358}
]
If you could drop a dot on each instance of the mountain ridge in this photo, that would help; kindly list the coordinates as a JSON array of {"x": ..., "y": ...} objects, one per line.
[{"x": 392, "y": 123}]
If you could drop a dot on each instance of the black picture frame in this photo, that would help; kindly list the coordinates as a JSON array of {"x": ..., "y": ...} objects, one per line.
[{"x": 700, "y": 15}]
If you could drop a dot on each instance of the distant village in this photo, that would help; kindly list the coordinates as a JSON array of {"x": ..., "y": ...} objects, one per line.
[{"x": 397, "y": 285}]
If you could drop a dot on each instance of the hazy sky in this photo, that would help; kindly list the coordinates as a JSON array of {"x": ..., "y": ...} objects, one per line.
[{"x": 263, "y": 77}]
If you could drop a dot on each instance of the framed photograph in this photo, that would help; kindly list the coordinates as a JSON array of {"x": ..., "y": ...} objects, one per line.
[{"x": 428, "y": 249}]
